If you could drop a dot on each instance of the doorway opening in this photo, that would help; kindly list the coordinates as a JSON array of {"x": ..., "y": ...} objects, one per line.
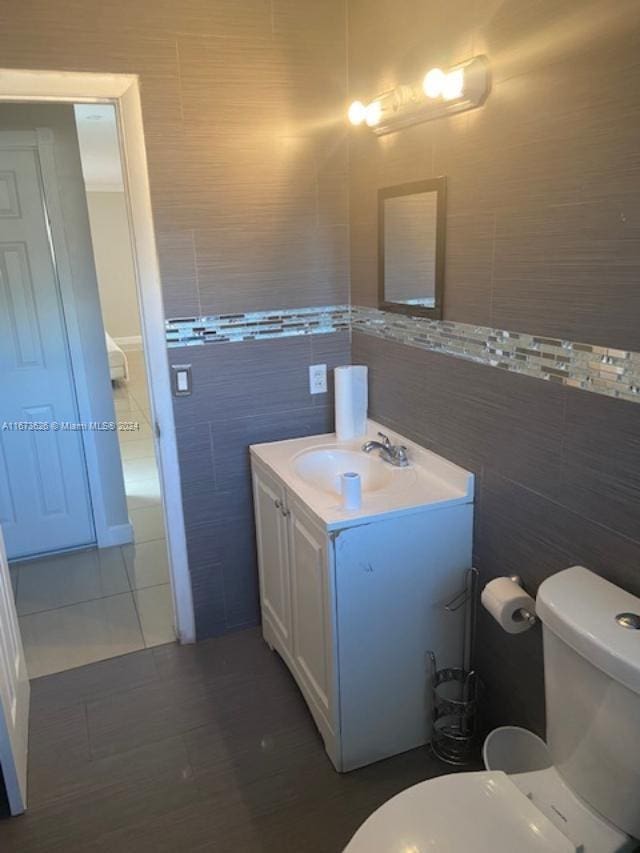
[
  {"x": 94, "y": 526},
  {"x": 119, "y": 581},
  {"x": 81, "y": 504}
]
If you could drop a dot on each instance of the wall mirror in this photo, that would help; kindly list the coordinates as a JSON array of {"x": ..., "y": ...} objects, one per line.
[{"x": 411, "y": 247}]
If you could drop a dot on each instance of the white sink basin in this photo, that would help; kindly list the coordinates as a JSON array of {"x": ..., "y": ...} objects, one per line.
[
  {"x": 322, "y": 467},
  {"x": 310, "y": 468}
]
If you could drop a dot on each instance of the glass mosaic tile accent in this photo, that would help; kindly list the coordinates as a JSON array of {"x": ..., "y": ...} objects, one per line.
[
  {"x": 602, "y": 370},
  {"x": 257, "y": 325}
]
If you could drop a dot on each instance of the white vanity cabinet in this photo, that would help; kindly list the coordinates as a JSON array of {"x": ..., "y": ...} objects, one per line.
[
  {"x": 297, "y": 597},
  {"x": 353, "y": 603},
  {"x": 273, "y": 548}
]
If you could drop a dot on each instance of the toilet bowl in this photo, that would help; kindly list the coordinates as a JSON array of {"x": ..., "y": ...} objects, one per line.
[{"x": 577, "y": 793}]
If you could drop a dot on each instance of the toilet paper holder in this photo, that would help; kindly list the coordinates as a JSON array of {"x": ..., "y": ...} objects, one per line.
[
  {"x": 523, "y": 614},
  {"x": 464, "y": 595}
]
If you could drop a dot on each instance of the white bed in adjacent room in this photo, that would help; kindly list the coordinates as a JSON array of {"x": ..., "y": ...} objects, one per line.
[{"x": 118, "y": 366}]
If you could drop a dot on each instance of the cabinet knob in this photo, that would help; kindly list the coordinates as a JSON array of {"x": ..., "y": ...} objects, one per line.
[{"x": 280, "y": 505}]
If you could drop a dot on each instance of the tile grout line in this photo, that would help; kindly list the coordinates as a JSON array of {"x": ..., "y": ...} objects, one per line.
[
  {"x": 76, "y": 603},
  {"x": 139, "y": 618},
  {"x": 129, "y": 591}
]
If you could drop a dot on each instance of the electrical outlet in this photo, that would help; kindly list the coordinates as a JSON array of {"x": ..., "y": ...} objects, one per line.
[{"x": 318, "y": 379}]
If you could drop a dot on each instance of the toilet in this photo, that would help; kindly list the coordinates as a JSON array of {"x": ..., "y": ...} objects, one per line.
[{"x": 579, "y": 792}]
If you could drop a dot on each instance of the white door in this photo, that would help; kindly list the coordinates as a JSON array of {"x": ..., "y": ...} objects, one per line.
[
  {"x": 273, "y": 561},
  {"x": 44, "y": 492},
  {"x": 14, "y": 696}
]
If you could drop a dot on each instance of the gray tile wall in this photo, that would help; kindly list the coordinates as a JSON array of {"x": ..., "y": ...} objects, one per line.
[
  {"x": 557, "y": 484},
  {"x": 543, "y": 181},
  {"x": 542, "y": 237},
  {"x": 243, "y": 110}
]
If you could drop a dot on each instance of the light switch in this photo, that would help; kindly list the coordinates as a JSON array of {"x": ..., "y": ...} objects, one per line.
[{"x": 181, "y": 379}]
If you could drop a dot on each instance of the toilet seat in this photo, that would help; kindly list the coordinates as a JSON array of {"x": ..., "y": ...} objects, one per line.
[{"x": 483, "y": 812}]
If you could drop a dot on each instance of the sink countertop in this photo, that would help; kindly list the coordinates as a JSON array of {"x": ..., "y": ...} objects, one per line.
[{"x": 429, "y": 483}]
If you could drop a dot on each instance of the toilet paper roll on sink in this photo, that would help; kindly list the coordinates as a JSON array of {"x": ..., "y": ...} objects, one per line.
[
  {"x": 351, "y": 489},
  {"x": 508, "y": 603}
]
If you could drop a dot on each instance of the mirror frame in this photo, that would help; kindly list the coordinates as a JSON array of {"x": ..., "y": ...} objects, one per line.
[{"x": 439, "y": 186}]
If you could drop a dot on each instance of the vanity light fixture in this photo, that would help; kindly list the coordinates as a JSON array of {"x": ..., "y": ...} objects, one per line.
[
  {"x": 433, "y": 82},
  {"x": 441, "y": 92},
  {"x": 357, "y": 113},
  {"x": 373, "y": 113}
]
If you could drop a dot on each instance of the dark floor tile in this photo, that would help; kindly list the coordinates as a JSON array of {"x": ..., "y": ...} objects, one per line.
[
  {"x": 145, "y": 715},
  {"x": 216, "y": 752},
  {"x": 117, "y": 791},
  {"x": 242, "y": 653},
  {"x": 94, "y": 681}
]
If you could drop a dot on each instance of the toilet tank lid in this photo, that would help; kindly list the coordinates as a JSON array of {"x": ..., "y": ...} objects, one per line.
[{"x": 581, "y": 608}]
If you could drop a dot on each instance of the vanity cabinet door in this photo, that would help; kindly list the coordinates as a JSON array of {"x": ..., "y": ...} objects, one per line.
[
  {"x": 273, "y": 557},
  {"x": 312, "y": 609}
]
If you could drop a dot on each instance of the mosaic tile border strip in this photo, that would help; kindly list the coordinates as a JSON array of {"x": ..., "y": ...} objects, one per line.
[
  {"x": 257, "y": 325},
  {"x": 601, "y": 370}
]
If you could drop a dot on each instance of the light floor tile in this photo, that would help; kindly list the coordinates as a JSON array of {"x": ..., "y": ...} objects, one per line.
[
  {"x": 134, "y": 486},
  {"x": 128, "y": 409},
  {"x": 143, "y": 430},
  {"x": 82, "y": 633},
  {"x": 140, "y": 469},
  {"x": 155, "y": 609},
  {"x": 120, "y": 390},
  {"x": 147, "y": 563},
  {"x": 64, "y": 579},
  {"x": 142, "y": 493},
  {"x": 141, "y": 399},
  {"x": 136, "y": 359},
  {"x": 140, "y": 449},
  {"x": 148, "y": 523},
  {"x": 138, "y": 382}
]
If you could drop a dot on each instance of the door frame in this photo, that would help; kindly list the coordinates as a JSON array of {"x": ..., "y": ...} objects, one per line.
[{"x": 123, "y": 91}]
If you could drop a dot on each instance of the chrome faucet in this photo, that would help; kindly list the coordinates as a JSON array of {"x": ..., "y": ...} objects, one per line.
[{"x": 394, "y": 454}]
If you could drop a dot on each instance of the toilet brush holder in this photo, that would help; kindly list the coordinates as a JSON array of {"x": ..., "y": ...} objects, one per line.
[{"x": 455, "y": 690}]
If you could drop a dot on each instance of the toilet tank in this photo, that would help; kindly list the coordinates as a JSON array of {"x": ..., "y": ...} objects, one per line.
[{"x": 592, "y": 687}]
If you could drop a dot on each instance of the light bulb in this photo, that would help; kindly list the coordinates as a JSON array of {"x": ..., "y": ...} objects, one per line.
[
  {"x": 433, "y": 82},
  {"x": 373, "y": 113},
  {"x": 453, "y": 85},
  {"x": 357, "y": 112}
]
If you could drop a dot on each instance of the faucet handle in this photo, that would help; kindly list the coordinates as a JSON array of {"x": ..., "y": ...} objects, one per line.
[
  {"x": 400, "y": 454},
  {"x": 385, "y": 439}
]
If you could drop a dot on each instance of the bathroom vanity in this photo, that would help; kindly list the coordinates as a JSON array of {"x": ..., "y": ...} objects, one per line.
[{"x": 353, "y": 600}]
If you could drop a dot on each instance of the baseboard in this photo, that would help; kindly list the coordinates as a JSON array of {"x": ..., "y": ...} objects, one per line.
[
  {"x": 133, "y": 342},
  {"x": 118, "y": 534}
]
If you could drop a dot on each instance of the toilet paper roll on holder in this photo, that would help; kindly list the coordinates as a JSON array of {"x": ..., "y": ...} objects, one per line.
[{"x": 521, "y": 615}]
